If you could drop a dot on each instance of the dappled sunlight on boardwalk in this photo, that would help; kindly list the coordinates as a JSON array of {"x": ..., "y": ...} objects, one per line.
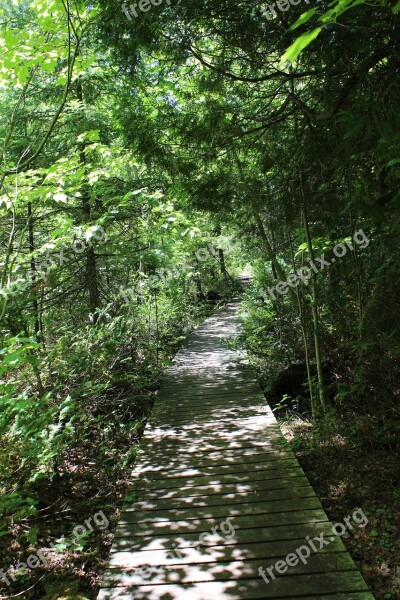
[{"x": 220, "y": 494}]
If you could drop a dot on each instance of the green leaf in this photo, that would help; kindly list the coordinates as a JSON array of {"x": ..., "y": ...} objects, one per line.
[
  {"x": 33, "y": 535},
  {"x": 62, "y": 544},
  {"x": 339, "y": 7},
  {"x": 130, "y": 499},
  {"x": 374, "y": 533},
  {"x": 395, "y": 161},
  {"x": 300, "y": 44},
  {"x": 89, "y": 136},
  {"x": 5, "y": 532},
  {"x": 303, "y": 18},
  {"x": 61, "y": 80},
  {"x": 396, "y": 8}
]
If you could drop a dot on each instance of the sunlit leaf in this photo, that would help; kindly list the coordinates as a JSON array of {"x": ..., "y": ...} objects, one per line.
[{"x": 300, "y": 44}]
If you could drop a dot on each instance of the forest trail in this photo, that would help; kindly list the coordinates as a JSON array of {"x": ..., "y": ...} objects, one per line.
[{"x": 220, "y": 493}]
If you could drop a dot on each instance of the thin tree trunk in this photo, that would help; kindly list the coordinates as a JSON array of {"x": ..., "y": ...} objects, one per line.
[
  {"x": 222, "y": 264},
  {"x": 221, "y": 255},
  {"x": 280, "y": 273},
  {"x": 91, "y": 275},
  {"x": 35, "y": 303},
  {"x": 314, "y": 306},
  {"x": 305, "y": 343},
  {"x": 295, "y": 299},
  {"x": 5, "y": 280}
]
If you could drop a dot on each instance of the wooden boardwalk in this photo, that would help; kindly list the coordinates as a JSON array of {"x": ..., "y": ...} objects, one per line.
[{"x": 220, "y": 494}]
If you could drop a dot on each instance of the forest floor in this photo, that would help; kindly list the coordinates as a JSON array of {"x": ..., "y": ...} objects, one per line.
[
  {"x": 83, "y": 487},
  {"x": 348, "y": 475}
]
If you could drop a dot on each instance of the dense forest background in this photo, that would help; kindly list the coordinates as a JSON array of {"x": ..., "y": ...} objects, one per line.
[{"x": 146, "y": 162}]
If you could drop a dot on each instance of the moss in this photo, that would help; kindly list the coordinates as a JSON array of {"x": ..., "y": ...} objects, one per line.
[{"x": 59, "y": 588}]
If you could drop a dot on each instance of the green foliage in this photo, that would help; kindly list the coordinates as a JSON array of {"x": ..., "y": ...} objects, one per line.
[
  {"x": 300, "y": 44},
  {"x": 143, "y": 164},
  {"x": 339, "y": 7}
]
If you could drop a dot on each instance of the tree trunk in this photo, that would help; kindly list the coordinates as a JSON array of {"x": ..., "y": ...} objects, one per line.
[
  {"x": 305, "y": 343},
  {"x": 278, "y": 271},
  {"x": 34, "y": 291},
  {"x": 91, "y": 275},
  {"x": 221, "y": 255},
  {"x": 314, "y": 306}
]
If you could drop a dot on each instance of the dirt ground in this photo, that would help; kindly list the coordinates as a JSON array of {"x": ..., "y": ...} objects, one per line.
[{"x": 346, "y": 476}]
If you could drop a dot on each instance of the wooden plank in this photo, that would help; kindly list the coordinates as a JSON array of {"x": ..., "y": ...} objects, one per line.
[
  {"x": 217, "y": 412},
  {"x": 217, "y": 481},
  {"x": 206, "y": 391},
  {"x": 275, "y": 481},
  {"x": 154, "y": 473},
  {"x": 185, "y": 405},
  {"x": 185, "y": 437},
  {"x": 268, "y": 551},
  {"x": 208, "y": 467},
  {"x": 314, "y": 586},
  {"x": 226, "y": 388},
  {"x": 157, "y": 527},
  {"x": 202, "y": 446},
  {"x": 236, "y": 456},
  {"x": 204, "y": 452},
  {"x": 216, "y": 408},
  {"x": 259, "y": 423},
  {"x": 200, "y": 475},
  {"x": 125, "y": 594},
  {"x": 222, "y": 570},
  {"x": 217, "y": 512},
  {"x": 248, "y": 428},
  {"x": 248, "y": 537},
  {"x": 304, "y": 491}
]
